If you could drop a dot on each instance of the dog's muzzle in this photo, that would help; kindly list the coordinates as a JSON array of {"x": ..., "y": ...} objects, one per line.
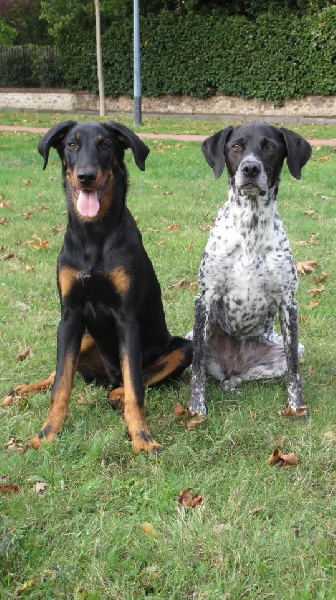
[{"x": 250, "y": 178}]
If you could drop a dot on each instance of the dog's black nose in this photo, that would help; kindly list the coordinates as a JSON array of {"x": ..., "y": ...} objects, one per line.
[
  {"x": 251, "y": 168},
  {"x": 86, "y": 176}
]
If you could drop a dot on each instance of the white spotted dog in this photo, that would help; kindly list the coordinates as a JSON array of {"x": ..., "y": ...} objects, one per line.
[{"x": 247, "y": 274}]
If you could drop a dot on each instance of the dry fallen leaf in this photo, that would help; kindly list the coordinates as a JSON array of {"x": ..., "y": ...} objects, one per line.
[
  {"x": 173, "y": 227},
  {"x": 190, "y": 501},
  {"x": 303, "y": 318},
  {"x": 26, "y": 181},
  {"x": 24, "y": 354},
  {"x": 289, "y": 411},
  {"x": 321, "y": 278},
  {"x": 10, "y": 400},
  {"x": 7, "y": 488},
  {"x": 310, "y": 212},
  {"x": 183, "y": 282},
  {"x": 148, "y": 529},
  {"x": 7, "y": 256},
  {"x": 3, "y": 221},
  {"x": 179, "y": 410},
  {"x": 316, "y": 291},
  {"x": 311, "y": 304},
  {"x": 306, "y": 266},
  {"x": 283, "y": 459},
  {"x": 311, "y": 371},
  {"x": 39, "y": 487},
  {"x": 195, "y": 422}
]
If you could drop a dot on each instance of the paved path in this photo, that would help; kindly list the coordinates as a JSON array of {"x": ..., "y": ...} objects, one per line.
[{"x": 156, "y": 136}]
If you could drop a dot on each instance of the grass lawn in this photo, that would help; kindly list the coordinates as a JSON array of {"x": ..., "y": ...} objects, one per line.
[
  {"x": 262, "y": 531},
  {"x": 155, "y": 124}
]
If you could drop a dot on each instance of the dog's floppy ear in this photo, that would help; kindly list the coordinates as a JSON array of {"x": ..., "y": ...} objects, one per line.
[
  {"x": 54, "y": 138},
  {"x": 298, "y": 151},
  {"x": 213, "y": 150},
  {"x": 128, "y": 139}
]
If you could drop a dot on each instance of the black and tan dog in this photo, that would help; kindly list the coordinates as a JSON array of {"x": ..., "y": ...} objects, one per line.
[{"x": 112, "y": 326}]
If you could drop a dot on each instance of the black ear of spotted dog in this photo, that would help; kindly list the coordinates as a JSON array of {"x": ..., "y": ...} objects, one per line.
[
  {"x": 124, "y": 136},
  {"x": 213, "y": 150},
  {"x": 298, "y": 151}
]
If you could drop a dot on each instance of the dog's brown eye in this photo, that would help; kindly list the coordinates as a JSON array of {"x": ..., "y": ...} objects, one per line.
[
  {"x": 72, "y": 145},
  {"x": 236, "y": 146},
  {"x": 105, "y": 146},
  {"x": 270, "y": 146}
]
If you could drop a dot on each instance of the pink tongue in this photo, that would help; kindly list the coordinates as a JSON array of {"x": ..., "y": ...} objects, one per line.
[{"x": 87, "y": 203}]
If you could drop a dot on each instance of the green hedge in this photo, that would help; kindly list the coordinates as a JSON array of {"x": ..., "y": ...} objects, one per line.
[{"x": 274, "y": 57}]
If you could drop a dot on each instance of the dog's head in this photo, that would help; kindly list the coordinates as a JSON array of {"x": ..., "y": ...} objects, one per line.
[
  {"x": 254, "y": 155},
  {"x": 92, "y": 154}
]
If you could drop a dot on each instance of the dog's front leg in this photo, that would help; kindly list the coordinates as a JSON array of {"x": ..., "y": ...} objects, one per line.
[
  {"x": 69, "y": 336},
  {"x": 288, "y": 313},
  {"x": 134, "y": 409},
  {"x": 197, "y": 385}
]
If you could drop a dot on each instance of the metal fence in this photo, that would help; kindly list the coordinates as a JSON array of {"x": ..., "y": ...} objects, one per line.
[{"x": 30, "y": 66}]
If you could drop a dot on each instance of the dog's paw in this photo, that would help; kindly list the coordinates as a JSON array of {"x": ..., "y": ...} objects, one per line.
[{"x": 144, "y": 441}]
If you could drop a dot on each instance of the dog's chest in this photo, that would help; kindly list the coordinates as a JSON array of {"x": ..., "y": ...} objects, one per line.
[{"x": 247, "y": 269}]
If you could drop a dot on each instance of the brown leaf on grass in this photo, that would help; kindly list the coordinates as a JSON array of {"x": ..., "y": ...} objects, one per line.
[
  {"x": 9, "y": 488},
  {"x": 5, "y": 204},
  {"x": 311, "y": 371},
  {"x": 24, "y": 354},
  {"x": 27, "y": 214},
  {"x": 3, "y": 221},
  {"x": 311, "y": 304},
  {"x": 29, "y": 269},
  {"x": 310, "y": 212},
  {"x": 7, "y": 256},
  {"x": 28, "y": 585},
  {"x": 179, "y": 410},
  {"x": 284, "y": 460},
  {"x": 313, "y": 239},
  {"x": 16, "y": 445},
  {"x": 253, "y": 414},
  {"x": 36, "y": 242},
  {"x": 44, "y": 207},
  {"x": 10, "y": 400},
  {"x": 173, "y": 227},
  {"x": 193, "y": 285},
  {"x": 26, "y": 181},
  {"x": 39, "y": 487},
  {"x": 181, "y": 283},
  {"x": 148, "y": 529},
  {"x": 205, "y": 227},
  {"x": 57, "y": 228},
  {"x": 195, "y": 422},
  {"x": 306, "y": 266},
  {"x": 303, "y": 318},
  {"x": 290, "y": 412},
  {"x": 321, "y": 278},
  {"x": 316, "y": 291},
  {"x": 301, "y": 243},
  {"x": 190, "y": 501}
]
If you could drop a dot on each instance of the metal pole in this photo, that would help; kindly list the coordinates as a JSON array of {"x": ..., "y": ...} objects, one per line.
[{"x": 137, "y": 73}]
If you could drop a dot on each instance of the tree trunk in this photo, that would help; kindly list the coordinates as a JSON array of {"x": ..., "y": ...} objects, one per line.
[{"x": 99, "y": 62}]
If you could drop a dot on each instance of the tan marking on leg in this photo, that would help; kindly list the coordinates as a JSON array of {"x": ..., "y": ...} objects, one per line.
[
  {"x": 120, "y": 279},
  {"x": 59, "y": 407},
  {"x": 135, "y": 416},
  {"x": 163, "y": 367},
  {"x": 66, "y": 278}
]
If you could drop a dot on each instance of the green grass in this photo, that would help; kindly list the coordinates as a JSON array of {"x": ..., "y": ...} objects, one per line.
[
  {"x": 155, "y": 124},
  {"x": 81, "y": 538}
]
